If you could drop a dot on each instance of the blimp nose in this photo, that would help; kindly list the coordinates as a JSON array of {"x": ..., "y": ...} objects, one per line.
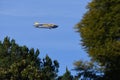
[{"x": 55, "y": 26}]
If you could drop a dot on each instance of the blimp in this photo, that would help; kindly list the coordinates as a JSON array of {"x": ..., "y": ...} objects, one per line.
[{"x": 45, "y": 25}]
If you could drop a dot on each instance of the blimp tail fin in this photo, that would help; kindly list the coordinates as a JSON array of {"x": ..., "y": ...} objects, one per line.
[{"x": 36, "y": 24}]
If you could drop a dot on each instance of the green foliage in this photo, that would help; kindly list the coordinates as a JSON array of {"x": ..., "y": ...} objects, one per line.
[
  {"x": 20, "y": 63},
  {"x": 100, "y": 32},
  {"x": 66, "y": 76},
  {"x": 88, "y": 70}
]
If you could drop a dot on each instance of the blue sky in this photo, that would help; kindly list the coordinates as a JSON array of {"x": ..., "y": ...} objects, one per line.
[{"x": 18, "y": 16}]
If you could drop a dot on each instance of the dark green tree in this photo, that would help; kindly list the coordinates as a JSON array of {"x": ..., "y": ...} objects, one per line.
[
  {"x": 66, "y": 76},
  {"x": 21, "y": 63},
  {"x": 100, "y": 32},
  {"x": 88, "y": 70}
]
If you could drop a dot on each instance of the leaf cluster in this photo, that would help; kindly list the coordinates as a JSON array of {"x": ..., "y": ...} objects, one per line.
[
  {"x": 21, "y": 63},
  {"x": 100, "y": 32}
]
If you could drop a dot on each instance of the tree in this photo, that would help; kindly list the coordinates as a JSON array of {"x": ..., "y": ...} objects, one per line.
[
  {"x": 88, "y": 70},
  {"x": 20, "y": 63},
  {"x": 100, "y": 32},
  {"x": 66, "y": 76}
]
